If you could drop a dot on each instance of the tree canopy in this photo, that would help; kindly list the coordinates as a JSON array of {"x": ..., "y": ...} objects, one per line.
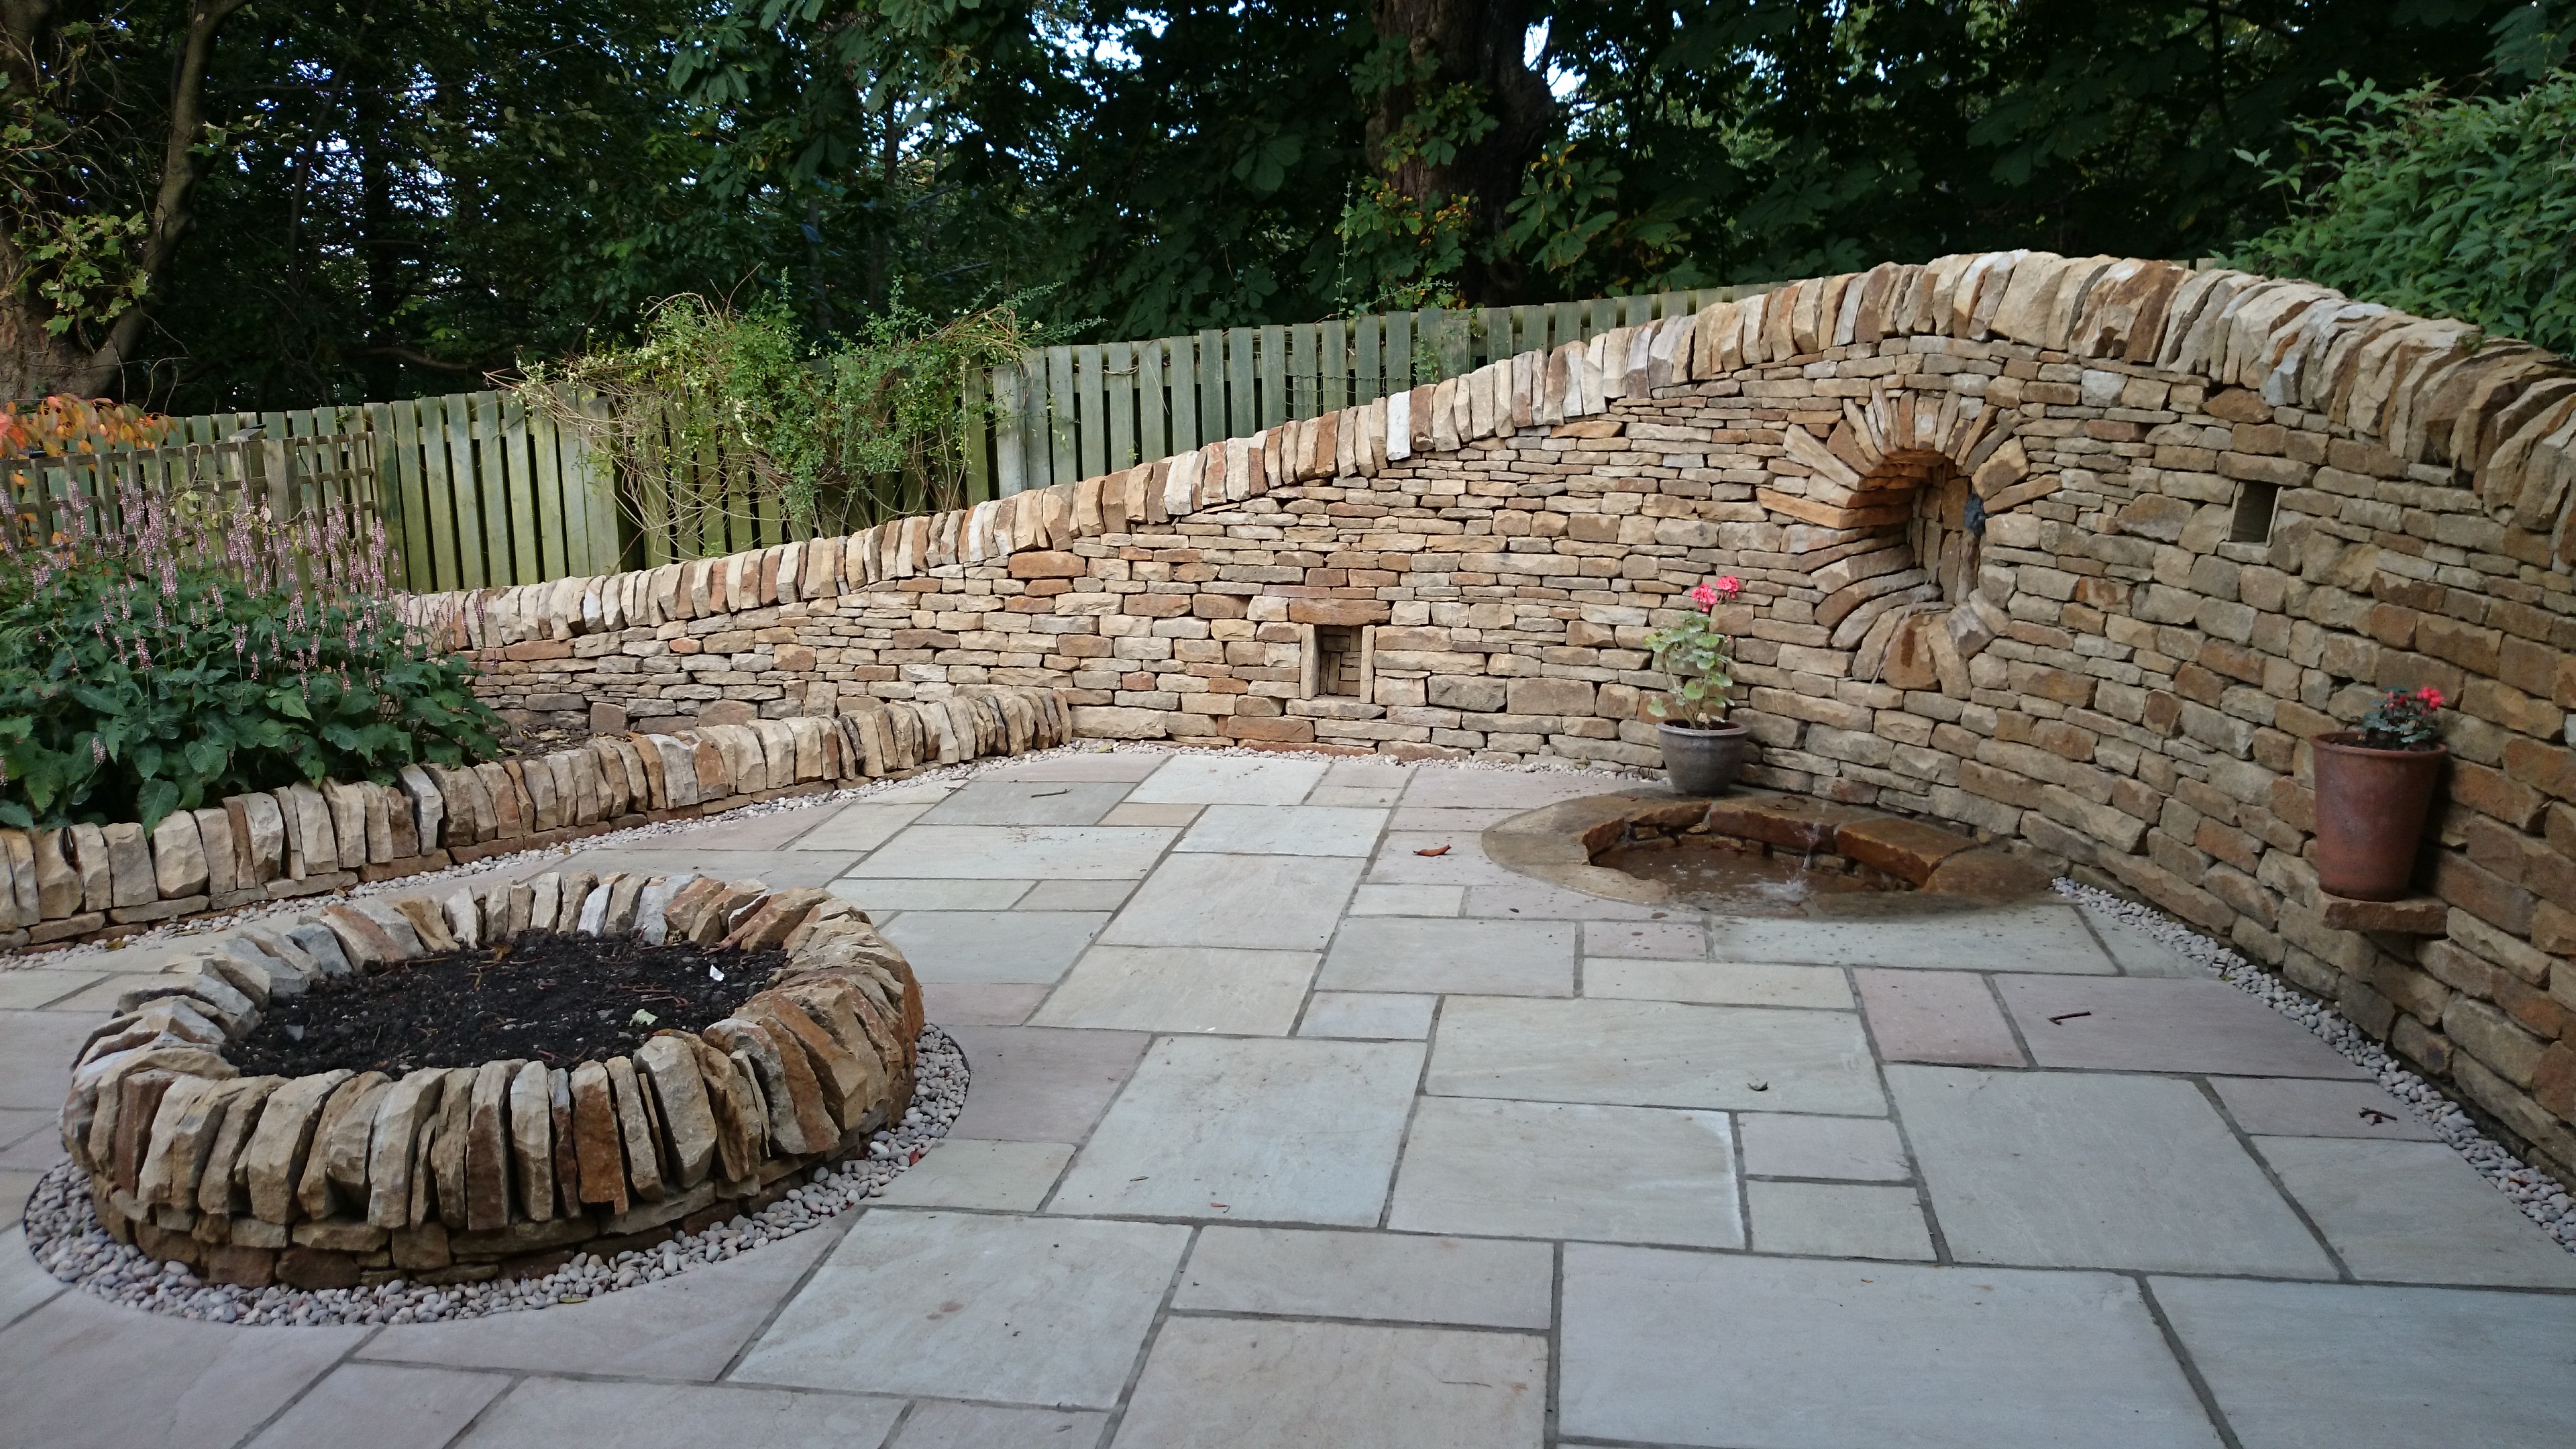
[{"x": 356, "y": 199}]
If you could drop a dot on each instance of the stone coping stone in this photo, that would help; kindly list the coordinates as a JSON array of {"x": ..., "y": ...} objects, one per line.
[
  {"x": 453, "y": 1174},
  {"x": 1558, "y": 843}
]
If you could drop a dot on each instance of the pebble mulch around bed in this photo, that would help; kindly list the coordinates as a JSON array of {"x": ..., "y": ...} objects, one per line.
[
  {"x": 2542, "y": 1198},
  {"x": 65, "y": 1238}
]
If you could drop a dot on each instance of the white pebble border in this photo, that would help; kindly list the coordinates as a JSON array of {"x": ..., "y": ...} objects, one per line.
[
  {"x": 2542, "y": 1198},
  {"x": 64, "y": 1237}
]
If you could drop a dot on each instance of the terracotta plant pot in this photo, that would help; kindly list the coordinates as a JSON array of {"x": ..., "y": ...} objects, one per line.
[
  {"x": 1704, "y": 762},
  {"x": 2371, "y": 806}
]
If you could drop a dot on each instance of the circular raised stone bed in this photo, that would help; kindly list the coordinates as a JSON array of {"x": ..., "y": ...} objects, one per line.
[
  {"x": 1758, "y": 854},
  {"x": 410, "y": 1159}
]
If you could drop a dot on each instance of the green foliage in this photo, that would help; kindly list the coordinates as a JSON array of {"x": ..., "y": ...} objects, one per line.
[
  {"x": 840, "y": 434},
  {"x": 1700, "y": 657},
  {"x": 2449, "y": 207},
  {"x": 189, "y": 655}
]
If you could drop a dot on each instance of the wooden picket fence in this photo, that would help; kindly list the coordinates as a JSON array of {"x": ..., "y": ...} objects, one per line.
[
  {"x": 1067, "y": 413},
  {"x": 480, "y": 491},
  {"x": 55, "y": 497}
]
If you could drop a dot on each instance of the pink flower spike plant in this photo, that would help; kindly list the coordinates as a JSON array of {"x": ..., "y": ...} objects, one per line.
[{"x": 1700, "y": 657}]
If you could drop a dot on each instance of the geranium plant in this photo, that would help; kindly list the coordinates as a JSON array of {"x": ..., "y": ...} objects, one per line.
[
  {"x": 2403, "y": 720},
  {"x": 1700, "y": 657}
]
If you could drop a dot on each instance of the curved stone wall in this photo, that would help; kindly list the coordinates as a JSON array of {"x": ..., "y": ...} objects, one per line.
[
  {"x": 2079, "y": 552},
  {"x": 449, "y": 1174}
]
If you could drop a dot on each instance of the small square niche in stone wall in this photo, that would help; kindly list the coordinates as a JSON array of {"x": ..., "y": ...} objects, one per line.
[
  {"x": 1334, "y": 662},
  {"x": 2255, "y": 505}
]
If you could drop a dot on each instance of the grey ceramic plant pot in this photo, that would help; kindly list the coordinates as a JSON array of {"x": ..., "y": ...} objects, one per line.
[{"x": 1704, "y": 762}]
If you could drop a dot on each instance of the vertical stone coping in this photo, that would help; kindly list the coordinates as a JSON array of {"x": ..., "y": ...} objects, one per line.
[
  {"x": 301, "y": 840},
  {"x": 448, "y": 1174}
]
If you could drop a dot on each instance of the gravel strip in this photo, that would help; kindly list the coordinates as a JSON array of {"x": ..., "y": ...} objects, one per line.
[
  {"x": 2542, "y": 1198},
  {"x": 64, "y": 1237}
]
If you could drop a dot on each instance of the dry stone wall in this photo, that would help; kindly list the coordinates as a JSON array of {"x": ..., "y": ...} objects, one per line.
[{"x": 2075, "y": 552}]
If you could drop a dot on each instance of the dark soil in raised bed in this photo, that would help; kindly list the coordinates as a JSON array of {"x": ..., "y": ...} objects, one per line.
[{"x": 543, "y": 996}]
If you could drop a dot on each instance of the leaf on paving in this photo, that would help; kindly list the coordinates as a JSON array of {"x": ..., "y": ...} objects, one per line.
[{"x": 1435, "y": 850}]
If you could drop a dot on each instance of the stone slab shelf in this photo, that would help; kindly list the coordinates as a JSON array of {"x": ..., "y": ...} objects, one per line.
[
  {"x": 2413, "y": 916},
  {"x": 455, "y": 1174}
]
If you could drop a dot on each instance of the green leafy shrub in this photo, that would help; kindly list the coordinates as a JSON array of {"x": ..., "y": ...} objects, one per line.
[
  {"x": 2447, "y": 207},
  {"x": 184, "y": 653}
]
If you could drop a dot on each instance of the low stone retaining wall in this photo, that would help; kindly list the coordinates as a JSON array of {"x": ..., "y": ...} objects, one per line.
[
  {"x": 2079, "y": 551},
  {"x": 93, "y": 880},
  {"x": 464, "y": 1173}
]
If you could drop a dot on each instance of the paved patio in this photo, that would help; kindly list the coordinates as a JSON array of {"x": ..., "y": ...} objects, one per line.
[{"x": 1285, "y": 1133}]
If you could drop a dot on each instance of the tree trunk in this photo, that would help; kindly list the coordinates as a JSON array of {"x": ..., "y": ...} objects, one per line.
[
  {"x": 1478, "y": 43},
  {"x": 34, "y": 361}
]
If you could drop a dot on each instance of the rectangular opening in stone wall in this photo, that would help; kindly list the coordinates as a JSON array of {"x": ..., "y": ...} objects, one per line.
[
  {"x": 2255, "y": 503},
  {"x": 1337, "y": 661}
]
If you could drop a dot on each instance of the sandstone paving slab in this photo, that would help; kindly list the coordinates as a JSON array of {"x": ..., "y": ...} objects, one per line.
[
  {"x": 883, "y": 896},
  {"x": 1004, "y": 947},
  {"x": 2331, "y": 1366},
  {"x": 1718, "y": 983},
  {"x": 780, "y": 868},
  {"x": 1514, "y": 790},
  {"x": 1459, "y": 861},
  {"x": 860, "y": 827},
  {"x": 36, "y": 1055},
  {"x": 382, "y": 1406},
  {"x": 1369, "y": 772},
  {"x": 2043, "y": 938},
  {"x": 2163, "y": 1026},
  {"x": 1284, "y": 830},
  {"x": 1791, "y": 1353},
  {"x": 1520, "y": 897},
  {"x": 1403, "y": 953},
  {"x": 1229, "y": 780},
  {"x": 972, "y": 1003},
  {"x": 34, "y": 988},
  {"x": 1459, "y": 819},
  {"x": 1027, "y": 802},
  {"x": 1037, "y": 1084},
  {"x": 96, "y": 999},
  {"x": 1017, "y": 852},
  {"x": 971, "y": 1173},
  {"x": 83, "y": 1373},
  {"x": 1074, "y": 765},
  {"x": 2413, "y": 1212},
  {"x": 1854, "y": 1149},
  {"x": 1039, "y": 1311},
  {"x": 1356, "y": 795},
  {"x": 1264, "y": 1384},
  {"x": 1294, "y": 1131},
  {"x": 2075, "y": 1170},
  {"x": 2307, "y": 1107},
  {"x": 1944, "y": 1018},
  {"x": 1407, "y": 900},
  {"x": 1377, "y": 1015},
  {"x": 1076, "y": 895},
  {"x": 1182, "y": 989},
  {"x": 683, "y": 1328},
  {"x": 771, "y": 830},
  {"x": 1646, "y": 940},
  {"x": 1837, "y": 1220},
  {"x": 2138, "y": 953},
  {"x": 17, "y": 1124},
  {"x": 1514, "y": 1169},
  {"x": 1264, "y": 902},
  {"x": 24, "y": 1287},
  {"x": 1152, "y": 814},
  {"x": 1402, "y": 1277},
  {"x": 936, "y": 1424},
  {"x": 1655, "y": 1054},
  {"x": 16, "y": 1186},
  {"x": 551, "y": 1411}
]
